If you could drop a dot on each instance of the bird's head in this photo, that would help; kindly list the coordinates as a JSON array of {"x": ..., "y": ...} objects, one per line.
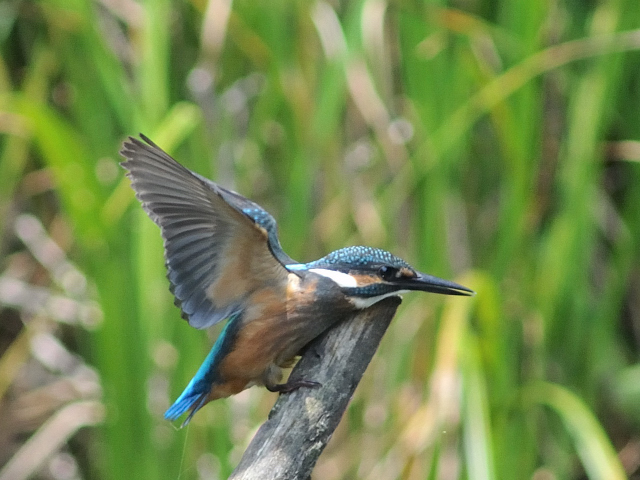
[{"x": 367, "y": 275}]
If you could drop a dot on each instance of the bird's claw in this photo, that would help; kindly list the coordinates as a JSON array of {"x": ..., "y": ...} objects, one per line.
[{"x": 292, "y": 385}]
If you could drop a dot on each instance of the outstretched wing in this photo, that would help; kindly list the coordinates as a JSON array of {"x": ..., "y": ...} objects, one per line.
[{"x": 219, "y": 246}]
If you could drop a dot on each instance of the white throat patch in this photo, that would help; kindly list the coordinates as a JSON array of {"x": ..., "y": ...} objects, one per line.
[
  {"x": 347, "y": 281},
  {"x": 366, "y": 302}
]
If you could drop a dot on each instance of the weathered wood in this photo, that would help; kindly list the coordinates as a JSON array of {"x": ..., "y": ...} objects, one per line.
[{"x": 288, "y": 444}]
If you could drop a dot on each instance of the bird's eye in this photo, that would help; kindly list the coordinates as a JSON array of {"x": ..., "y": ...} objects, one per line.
[{"x": 388, "y": 273}]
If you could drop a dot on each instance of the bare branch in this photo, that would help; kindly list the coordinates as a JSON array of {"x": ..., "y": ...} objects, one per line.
[{"x": 301, "y": 423}]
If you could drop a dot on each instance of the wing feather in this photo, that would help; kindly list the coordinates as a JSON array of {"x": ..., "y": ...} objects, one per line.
[{"x": 219, "y": 246}]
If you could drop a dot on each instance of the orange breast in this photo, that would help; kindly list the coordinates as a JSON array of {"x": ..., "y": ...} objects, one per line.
[
  {"x": 277, "y": 323},
  {"x": 226, "y": 389},
  {"x": 259, "y": 338}
]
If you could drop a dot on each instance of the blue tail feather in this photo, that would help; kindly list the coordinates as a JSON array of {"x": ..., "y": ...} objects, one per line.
[{"x": 195, "y": 396}]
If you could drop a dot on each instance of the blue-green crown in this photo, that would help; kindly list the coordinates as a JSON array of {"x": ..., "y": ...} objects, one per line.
[{"x": 353, "y": 258}]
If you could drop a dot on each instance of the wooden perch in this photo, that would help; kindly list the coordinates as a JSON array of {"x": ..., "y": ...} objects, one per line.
[{"x": 288, "y": 444}]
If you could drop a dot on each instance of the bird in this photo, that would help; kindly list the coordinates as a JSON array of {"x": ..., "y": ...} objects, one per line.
[{"x": 224, "y": 262}]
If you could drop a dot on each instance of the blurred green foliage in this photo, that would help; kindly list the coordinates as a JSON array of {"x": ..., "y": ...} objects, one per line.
[{"x": 492, "y": 142}]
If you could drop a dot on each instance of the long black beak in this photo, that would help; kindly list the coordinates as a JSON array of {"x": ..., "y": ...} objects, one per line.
[{"x": 429, "y": 283}]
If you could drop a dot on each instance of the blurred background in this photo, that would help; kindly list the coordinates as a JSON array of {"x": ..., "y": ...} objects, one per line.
[{"x": 492, "y": 143}]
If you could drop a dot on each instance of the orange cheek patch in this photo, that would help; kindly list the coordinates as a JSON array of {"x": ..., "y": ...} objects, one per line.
[{"x": 363, "y": 280}]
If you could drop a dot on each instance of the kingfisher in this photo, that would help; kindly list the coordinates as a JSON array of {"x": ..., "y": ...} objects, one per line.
[{"x": 224, "y": 261}]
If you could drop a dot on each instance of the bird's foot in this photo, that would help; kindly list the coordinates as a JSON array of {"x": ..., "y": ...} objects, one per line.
[{"x": 292, "y": 385}]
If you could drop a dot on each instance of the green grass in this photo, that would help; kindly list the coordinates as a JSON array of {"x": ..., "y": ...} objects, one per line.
[{"x": 478, "y": 144}]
